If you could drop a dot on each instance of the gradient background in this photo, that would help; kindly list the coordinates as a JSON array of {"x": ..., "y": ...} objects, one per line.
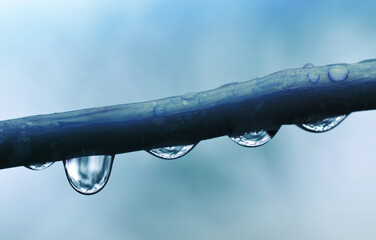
[{"x": 66, "y": 55}]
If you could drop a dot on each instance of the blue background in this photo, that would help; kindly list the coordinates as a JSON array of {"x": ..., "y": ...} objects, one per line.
[{"x": 66, "y": 55}]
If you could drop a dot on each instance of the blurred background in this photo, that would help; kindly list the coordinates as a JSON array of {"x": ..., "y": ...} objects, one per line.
[{"x": 66, "y": 55}]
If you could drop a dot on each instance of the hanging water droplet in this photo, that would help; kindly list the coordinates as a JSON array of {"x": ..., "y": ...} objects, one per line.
[
  {"x": 39, "y": 166},
  {"x": 323, "y": 125},
  {"x": 254, "y": 138},
  {"x": 338, "y": 73},
  {"x": 308, "y": 65},
  {"x": 313, "y": 76},
  {"x": 171, "y": 153},
  {"x": 88, "y": 175}
]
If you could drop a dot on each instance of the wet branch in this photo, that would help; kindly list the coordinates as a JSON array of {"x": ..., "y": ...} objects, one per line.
[{"x": 285, "y": 97}]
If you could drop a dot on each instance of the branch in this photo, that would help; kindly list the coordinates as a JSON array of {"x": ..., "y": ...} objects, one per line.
[{"x": 291, "y": 96}]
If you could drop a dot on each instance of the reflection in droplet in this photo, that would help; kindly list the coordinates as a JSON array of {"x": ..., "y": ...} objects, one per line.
[
  {"x": 254, "y": 138},
  {"x": 88, "y": 175},
  {"x": 40, "y": 166},
  {"x": 323, "y": 125},
  {"x": 338, "y": 73},
  {"x": 171, "y": 153},
  {"x": 313, "y": 76}
]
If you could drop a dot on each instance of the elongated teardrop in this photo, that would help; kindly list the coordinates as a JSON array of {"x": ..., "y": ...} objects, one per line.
[
  {"x": 170, "y": 153},
  {"x": 254, "y": 138},
  {"x": 40, "y": 166},
  {"x": 88, "y": 175},
  {"x": 323, "y": 125}
]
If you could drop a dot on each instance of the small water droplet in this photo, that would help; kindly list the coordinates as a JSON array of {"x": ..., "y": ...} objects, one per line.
[
  {"x": 368, "y": 60},
  {"x": 323, "y": 125},
  {"x": 338, "y": 73},
  {"x": 254, "y": 138},
  {"x": 189, "y": 96},
  {"x": 171, "y": 153},
  {"x": 313, "y": 76},
  {"x": 229, "y": 84},
  {"x": 308, "y": 66},
  {"x": 40, "y": 166},
  {"x": 159, "y": 111},
  {"x": 88, "y": 175},
  {"x": 235, "y": 92}
]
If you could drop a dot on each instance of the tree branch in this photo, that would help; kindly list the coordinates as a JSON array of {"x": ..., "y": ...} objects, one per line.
[{"x": 284, "y": 97}]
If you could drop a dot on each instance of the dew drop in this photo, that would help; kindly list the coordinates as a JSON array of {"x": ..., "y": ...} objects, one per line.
[
  {"x": 313, "y": 76},
  {"x": 229, "y": 84},
  {"x": 159, "y": 111},
  {"x": 88, "y": 175},
  {"x": 235, "y": 92},
  {"x": 254, "y": 138},
  {"x": 308, "y": 65},
  {"x": 338, "y": 73},
  {"x": 39, "y": 166},
  {"x": 189, "y": 96},
  {"x": 323, "y": 125},
  {"x": 368, "y": 60},
  {"x": 170, "y": 153}
]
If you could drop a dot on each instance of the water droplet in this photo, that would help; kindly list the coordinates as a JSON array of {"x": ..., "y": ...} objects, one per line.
[
  {"x": 171, "y": 153},
  {"x": 235, "y": 92},
  {"x": 338, "y": 73},
  {"x": 313, "y": 76},
  {"x": 323, "y": 125},
  {"x": 308, "y": 65},
  {"x": 189, "y": 96},
  {"x": 254, "y": 138},
  {"x": 159, "y": 111},
  {"x": 229, "y": 84},
  {"x": 368, "y": 60},
  {"x": 88, "y": 175},
  {"x": 40, "y": 166}
]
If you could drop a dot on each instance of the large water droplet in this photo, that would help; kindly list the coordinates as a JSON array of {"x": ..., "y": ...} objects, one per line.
[
  {"x": 254, "y": 138},
  {"x": 88, "y": 175},
  {"x": 323, "y": 125},
  {"x": 171, "y": 153},
  {"x": 313, "y": 76},
  {"x": 338, "y": 73},
  {"x": 40, "y": 166}
]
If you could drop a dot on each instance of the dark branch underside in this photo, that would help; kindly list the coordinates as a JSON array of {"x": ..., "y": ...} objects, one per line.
[{"x": 285, "y": 97}]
